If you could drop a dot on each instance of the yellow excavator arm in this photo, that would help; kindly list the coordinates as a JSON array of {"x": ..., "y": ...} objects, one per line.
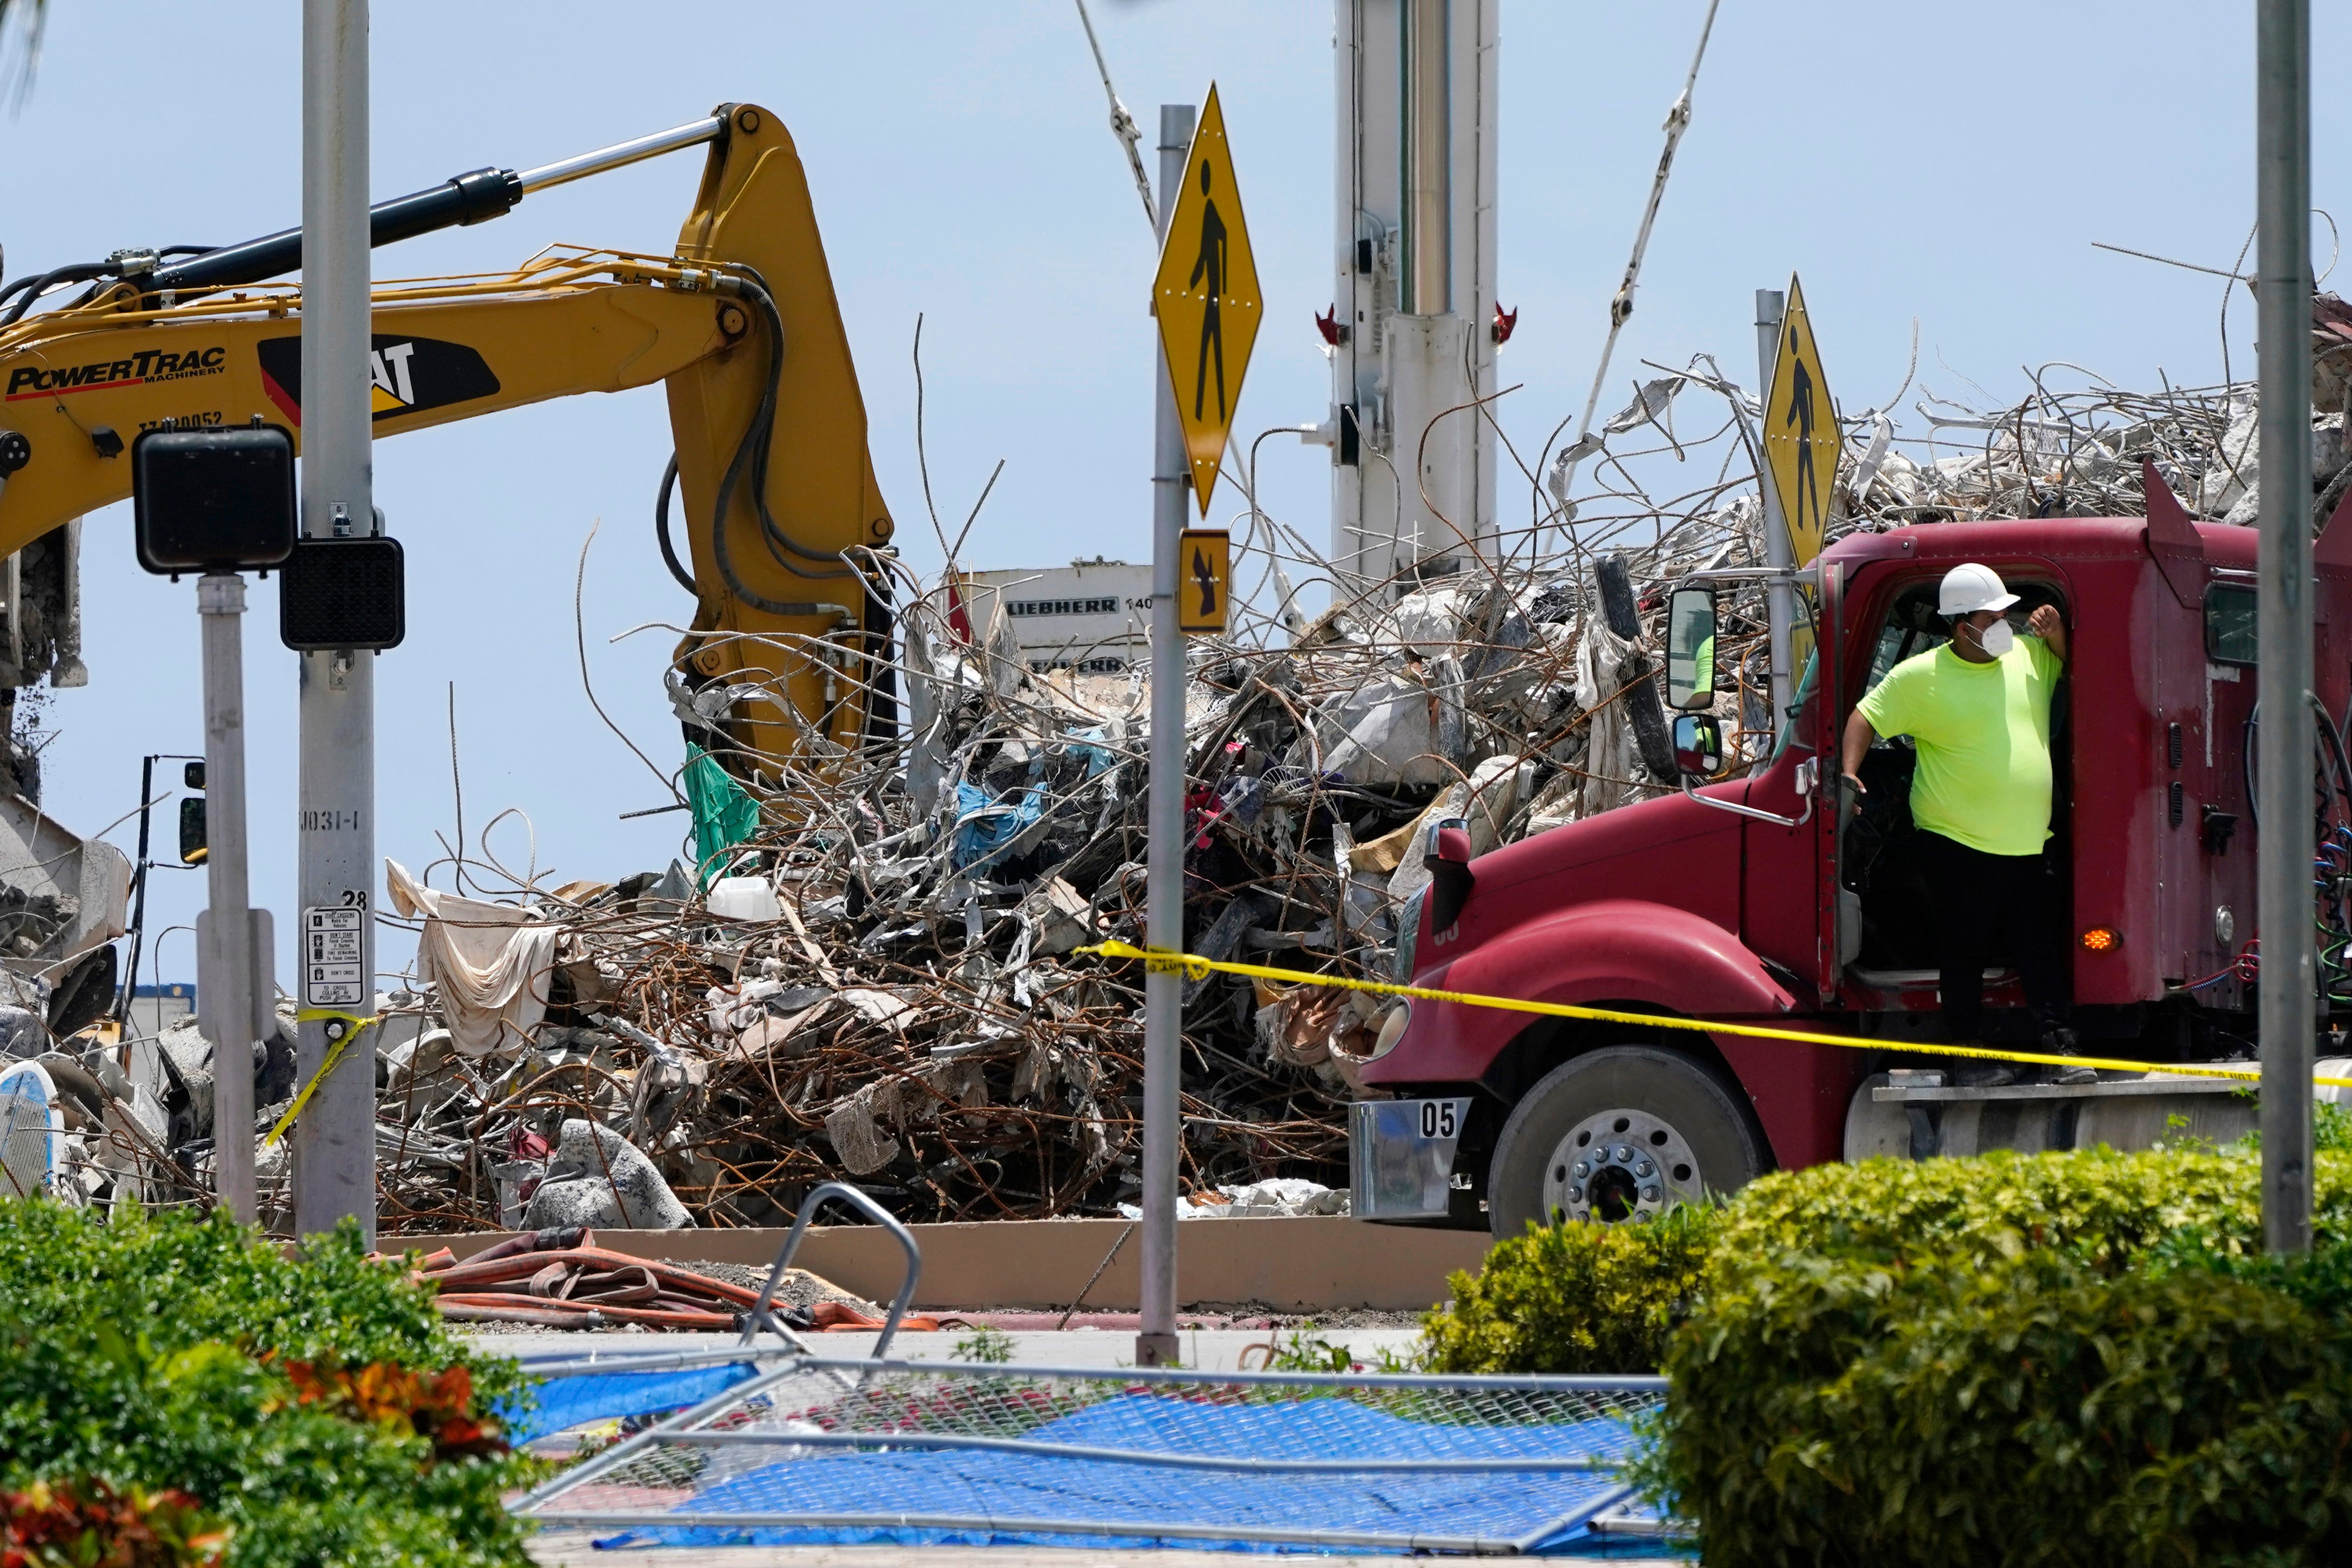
[{"x": 790, "y": 634}]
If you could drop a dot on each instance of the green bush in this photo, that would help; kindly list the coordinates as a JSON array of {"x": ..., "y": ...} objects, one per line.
[
  {"x": 2049, "y": 1360},
  {"x": 2052, "y": 1359},
  {"x": 2033, "y": 1409},
  {"x": 173, "y": 1353},
  {"x": 1574, "y": 1297},
  {"x": 2097, "y": 1204}
]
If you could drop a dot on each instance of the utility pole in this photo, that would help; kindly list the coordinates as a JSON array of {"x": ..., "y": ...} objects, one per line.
[
  {"x": 334, "y": 1141},
  {"x": 217, "y": 502},
  {"x": 138, "y": 896},
  {"x": 1413, "y": 330},
  {"x": 1164, "y": 1018},
  {"x": 1780, "y": 598},
  {"x": 2282, "y": 793},
  {"x": 226, "y": 931}
]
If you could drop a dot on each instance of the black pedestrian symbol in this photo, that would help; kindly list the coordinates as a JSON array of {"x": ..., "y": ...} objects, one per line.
[
  {"x": 1207, "y": 580},
  {"x": 1210, "y": 263},
  {"x": 1804, "y": 513}
]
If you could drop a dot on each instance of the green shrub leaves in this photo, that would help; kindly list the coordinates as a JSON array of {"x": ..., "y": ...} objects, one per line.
[
  {"x": 2059, "y": 1359},
  {"x": 156, "y": 1355},
  {"x": 2031, "y": 1409},
  {"x": 2053, "y": 1360},
  {"x": 1574, "y": 1297},
  {"x": 2098, "y": 1205}
]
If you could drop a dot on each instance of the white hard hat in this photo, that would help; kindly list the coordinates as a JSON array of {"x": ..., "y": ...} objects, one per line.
[{"x": 1970, "y": 588}]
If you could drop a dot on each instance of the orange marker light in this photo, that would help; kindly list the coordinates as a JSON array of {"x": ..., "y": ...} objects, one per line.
[{"x": 2100, "y": 939}]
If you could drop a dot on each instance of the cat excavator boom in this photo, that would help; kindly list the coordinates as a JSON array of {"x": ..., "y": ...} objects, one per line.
[{"x": 787, "y": 662}]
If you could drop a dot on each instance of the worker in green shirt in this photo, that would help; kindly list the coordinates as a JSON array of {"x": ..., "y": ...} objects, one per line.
[{"x": 1977, "y": 711}]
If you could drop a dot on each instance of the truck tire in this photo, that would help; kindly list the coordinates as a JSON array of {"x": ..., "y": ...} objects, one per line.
[{"x": 1619, "y": 1136}]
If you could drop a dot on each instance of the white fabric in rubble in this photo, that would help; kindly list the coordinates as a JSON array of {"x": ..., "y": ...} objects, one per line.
[
  {"x": 928, "y": 711},
  {"x": 1869, "y": 457},
  {"x": 1487, "y": 800},
  {"x": 1402, "y": 729},
  {"x": 1648, "y": 405},
  {"x": 1610, "y": 755},
  {"x": 916, "y": 1098},
  {"x": 1429, "y": 622},
  {"x": 488, "y": 962}
]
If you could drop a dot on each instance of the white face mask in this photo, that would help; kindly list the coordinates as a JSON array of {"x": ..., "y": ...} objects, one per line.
[{"x": 1995, "y": 639}]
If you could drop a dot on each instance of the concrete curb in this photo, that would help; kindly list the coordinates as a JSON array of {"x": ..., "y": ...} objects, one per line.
[{"x": 1320, "y": 1263}]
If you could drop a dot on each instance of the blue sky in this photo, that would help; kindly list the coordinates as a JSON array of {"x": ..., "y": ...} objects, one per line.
[{"x": 1951, "y": 164}]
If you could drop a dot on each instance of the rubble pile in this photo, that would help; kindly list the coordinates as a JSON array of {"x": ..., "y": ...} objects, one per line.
[
  {"x": 2067, "y": 451},
  {"x": 872, "y": 974}
]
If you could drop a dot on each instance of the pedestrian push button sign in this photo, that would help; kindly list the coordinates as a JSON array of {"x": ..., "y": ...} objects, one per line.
[
  {"x": 1208, "y": 301},
  {"x": 334, "y": 966},
  {"x": 1204, "y": 563}
]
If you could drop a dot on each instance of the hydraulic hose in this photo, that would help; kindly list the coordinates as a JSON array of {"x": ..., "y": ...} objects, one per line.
[
  {"x": 2331, "y": 840},
  {"x": 751, "y": 452},
  {"x": 720, "y": 553},
  {"x": 763, "y": 431},
  {"x": 661, "y": 529},
  {"x": 34, "y": 285},
  {"x": 2328, "y": 737},
  {"x": 2333, "y": 739}
]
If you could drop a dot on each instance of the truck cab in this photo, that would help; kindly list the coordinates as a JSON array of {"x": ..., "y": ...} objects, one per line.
[{"x": 1765, "y": 898}]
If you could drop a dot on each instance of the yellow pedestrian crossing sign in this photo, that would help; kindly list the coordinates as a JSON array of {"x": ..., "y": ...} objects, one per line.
[
  {"x": 1206, "y": 296},
  {"x": 1204, "y": 570},
  {"x": 1802, "y": 439}
]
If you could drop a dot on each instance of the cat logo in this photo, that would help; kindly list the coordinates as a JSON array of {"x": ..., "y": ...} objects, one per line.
[
  {"x": 388, "y": 367},
  {"x": 407, "y": 375}
]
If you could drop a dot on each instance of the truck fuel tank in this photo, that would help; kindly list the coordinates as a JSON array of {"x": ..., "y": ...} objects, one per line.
[{"x": 1916, "y": 1114}]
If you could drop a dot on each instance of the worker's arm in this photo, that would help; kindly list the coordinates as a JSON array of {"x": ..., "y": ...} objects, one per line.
[
  {"x": 1859, "y": 737},
  {"x": 2044, "y": 623}
]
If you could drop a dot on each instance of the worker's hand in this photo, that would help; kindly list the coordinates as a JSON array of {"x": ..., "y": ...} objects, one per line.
[
  {"x": 2044, "y": 623},
  {"x": 1859, "y": 788}
]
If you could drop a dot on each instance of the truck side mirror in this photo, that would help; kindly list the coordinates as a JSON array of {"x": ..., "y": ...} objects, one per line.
[
  {"x": 1698, "y": 745},
  {"x": 1690, "y": 648},
  {"x": 1446, "y": 853}
]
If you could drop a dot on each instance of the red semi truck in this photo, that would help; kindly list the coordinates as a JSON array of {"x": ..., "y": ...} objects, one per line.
[{"x": 1756, "y": 899}]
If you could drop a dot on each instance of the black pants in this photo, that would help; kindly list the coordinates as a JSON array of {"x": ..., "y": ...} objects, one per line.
[{"x": 1983, "y": 899}]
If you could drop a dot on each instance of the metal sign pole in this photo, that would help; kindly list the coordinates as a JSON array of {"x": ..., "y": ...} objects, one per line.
[
  {"x": 1163, "y": 1022},
  {"x": 139, "y": 894},
  {"x": 225, "y": 931},
  {"x": 1778, "y": 597},
  {"x": 2284, "y": 682},
  {"x": 334, "y": 1141}
]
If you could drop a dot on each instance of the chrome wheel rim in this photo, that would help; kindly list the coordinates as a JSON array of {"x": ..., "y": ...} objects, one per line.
[{"x": 1620, "y": 1167}]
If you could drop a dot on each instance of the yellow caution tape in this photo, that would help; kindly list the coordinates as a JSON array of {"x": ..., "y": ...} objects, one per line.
[
  {"x": 355, "y": 1027},
  {"x": 1195, "y": 967}
]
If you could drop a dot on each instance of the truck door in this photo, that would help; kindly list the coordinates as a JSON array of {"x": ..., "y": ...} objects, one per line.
[
  {"x": 1883, "y": 922},
  {"x": 1788, "y": 867}
]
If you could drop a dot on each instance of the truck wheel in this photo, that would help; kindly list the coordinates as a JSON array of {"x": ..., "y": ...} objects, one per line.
[{"x": 1619, "y": 1136}]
